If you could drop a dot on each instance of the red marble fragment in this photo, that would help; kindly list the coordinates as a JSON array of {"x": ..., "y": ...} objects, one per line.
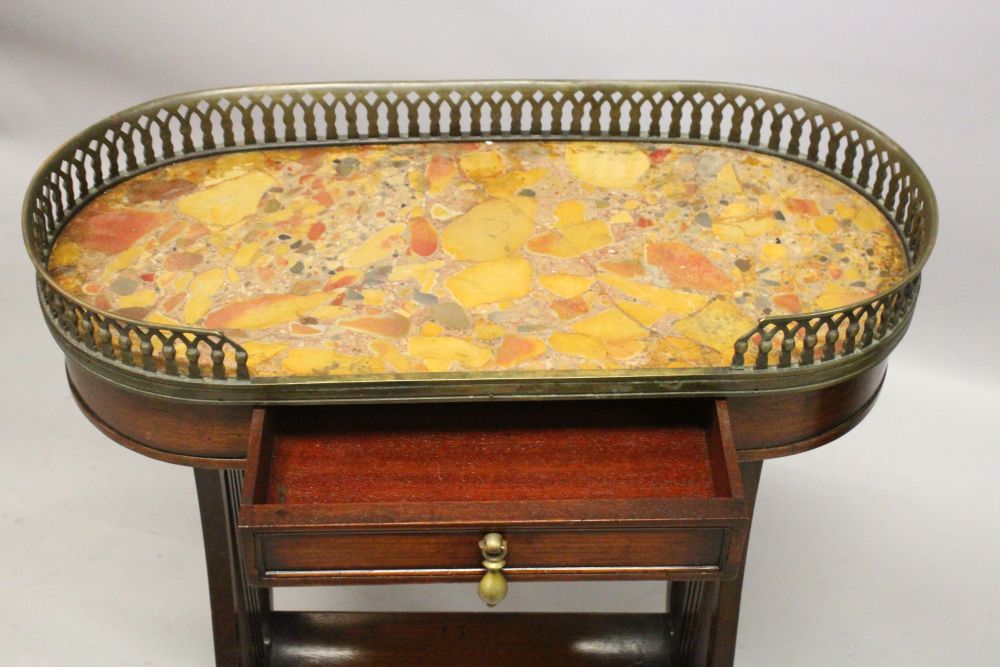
[
  {"x": 173, "y": 302},
  {"x": 171, "y": 232},
  {"x": 178, "y": 261},
  {"x": 686, "y": 267},
  {"x": 439, "y": 167},
  {"x": 159, "y": 190},
  {"x": 514, "y": 349},
  {"x": 788, "y": 302},
  {"x": 195, "y": 230},
  {"x": 339, "y": 281},
  {"x": 392, "y": 325},
  {"x": 316, "y": 230},
  {"x": 628, "y": 269},
  {"x": 423, "y": 237},
  {"x": 569, "y": 308},
  {"x": 659, "y": 155},
  {"x": 323, "y": 197},
  {"x": 803, "y": 206},
  {"x": 644, "y": 222},
  {"x": 114, "y": 232}
]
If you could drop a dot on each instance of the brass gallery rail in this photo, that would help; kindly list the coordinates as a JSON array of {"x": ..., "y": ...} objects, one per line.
[{"x": 809, "y": 349}]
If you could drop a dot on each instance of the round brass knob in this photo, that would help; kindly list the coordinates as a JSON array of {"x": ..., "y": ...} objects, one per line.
[{"x": 493, "y": 585}]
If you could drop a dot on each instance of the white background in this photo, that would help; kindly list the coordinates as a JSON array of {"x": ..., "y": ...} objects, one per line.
[{"x": 880, "y": 549}]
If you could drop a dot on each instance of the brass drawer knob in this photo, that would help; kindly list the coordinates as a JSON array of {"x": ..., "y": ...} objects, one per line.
[{"x": 493, "y": 585}]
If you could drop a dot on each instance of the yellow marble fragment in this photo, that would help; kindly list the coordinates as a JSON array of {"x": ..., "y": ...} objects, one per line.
[
  {"x": 826, "y": 224},
  {"x": 577, "y": 345},
  {"x": 870, "y": 219},
  {"x": 674, "y": 301},
  {"x": 844, "y": 211},
  {"x": 424, "y": 273},
  {"x": 377, "y": 246},
  {"x": 138, "y": 299},
  {"x": 641, "y": 313},
  {"x": 416, "y": 180},
  {"x": 606, "y": 165},
  {"x": 740, "y": 222},
  {"x": 490, "y": 230},
  {"x": 621, "y": 218},
  {"x": 572, "y": 240},
  {"x": 774, "y": 252},
  {"x": 835, "y": 297},
  {"x": 736, "y": 209},
  {"x": 569, "y": 212},
  {"x": 513, "y": 182},
  {"x": 528, "y": 205},
  {"x": 123, "y": 260},
  {"x": 442, "y": 212},
  {"x": 182, "y": 280},
  {"x": 65, "y": 253},
  {"x": 393, "y": 356},
  {"x": 309, "y": 361},
  {"x": 727, "y": 180},
  {"x": 200, "y": 292},
  {"x": 612, "y": 324},
  {"x": 478, "y": 165},
  {"x": 159, "y": 318},
  {"x": 448, "y": 349},
  {"x": 431, "y": 329},
  {"x": 566, "y": 285},
  {"x": 623, "y": 349},
  {"x": 486, "y": 330},
  {"x": 373, "y": 297},
  {"x": 245, "y": 254},
  {"x": 717, "y": 325},
  {"x": 678, "y": 352},
  {"x": 491, "y": 282},
  {"x": 265, "y": 312},
  {"x": 228, "y": 202},
  {"x": 259, "y": 353}
]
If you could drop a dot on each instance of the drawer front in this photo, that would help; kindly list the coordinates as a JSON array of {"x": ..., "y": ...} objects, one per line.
[{"x": 330, "y": 556}]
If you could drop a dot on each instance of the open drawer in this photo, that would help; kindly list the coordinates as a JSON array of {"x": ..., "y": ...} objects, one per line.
[{"x": 633, "y": 489}]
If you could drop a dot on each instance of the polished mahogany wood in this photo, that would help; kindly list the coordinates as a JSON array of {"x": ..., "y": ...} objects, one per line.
[
  {"x": 640, "y": 489},
  {"x": 767, "y": 426},
  {"x": 196, "y": 434},
  {"x": 701, "y": 628},
  {"x": 239, "y": 612},
  {"x": 529, "y": 451},
  {"x": 216, "y": 435},
  {"x": 470, "y": 640}
]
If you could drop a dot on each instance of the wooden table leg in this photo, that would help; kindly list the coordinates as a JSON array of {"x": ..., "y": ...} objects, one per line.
[
  {"x": 239, "y": 611},
  {"x": 705, "y": 614}
]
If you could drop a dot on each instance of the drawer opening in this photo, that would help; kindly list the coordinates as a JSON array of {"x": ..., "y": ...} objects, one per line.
[
  {"x": 550, "y": 451},
  {"x": 626, "y": 489}
]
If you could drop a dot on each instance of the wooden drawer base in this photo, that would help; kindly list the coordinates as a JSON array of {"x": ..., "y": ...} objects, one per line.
[
  {"x": 526, "y": 640},
  {"x": 624, "y": 489}
]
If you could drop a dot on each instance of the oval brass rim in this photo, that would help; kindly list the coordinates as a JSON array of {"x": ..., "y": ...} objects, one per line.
[{"x": 778, "y": 354}]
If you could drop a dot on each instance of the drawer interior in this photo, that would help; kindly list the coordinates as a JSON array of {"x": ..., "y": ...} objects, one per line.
[
  {"x": 603, "y": 489},
  {"x": 439, "y": 453}
]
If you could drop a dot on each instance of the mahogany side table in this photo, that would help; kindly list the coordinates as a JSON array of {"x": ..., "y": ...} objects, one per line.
[{"x": 492, "y": 332}]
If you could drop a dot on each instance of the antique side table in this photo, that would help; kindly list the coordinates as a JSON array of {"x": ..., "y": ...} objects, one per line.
[{"x": 478, "y": 331}]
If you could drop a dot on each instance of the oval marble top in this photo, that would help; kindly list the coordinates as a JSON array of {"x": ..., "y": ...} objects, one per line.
[{"x": 478, "y": 257}]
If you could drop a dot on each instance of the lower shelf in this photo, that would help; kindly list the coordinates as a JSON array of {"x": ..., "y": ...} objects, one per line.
[{"x": 457, "y": 639}]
